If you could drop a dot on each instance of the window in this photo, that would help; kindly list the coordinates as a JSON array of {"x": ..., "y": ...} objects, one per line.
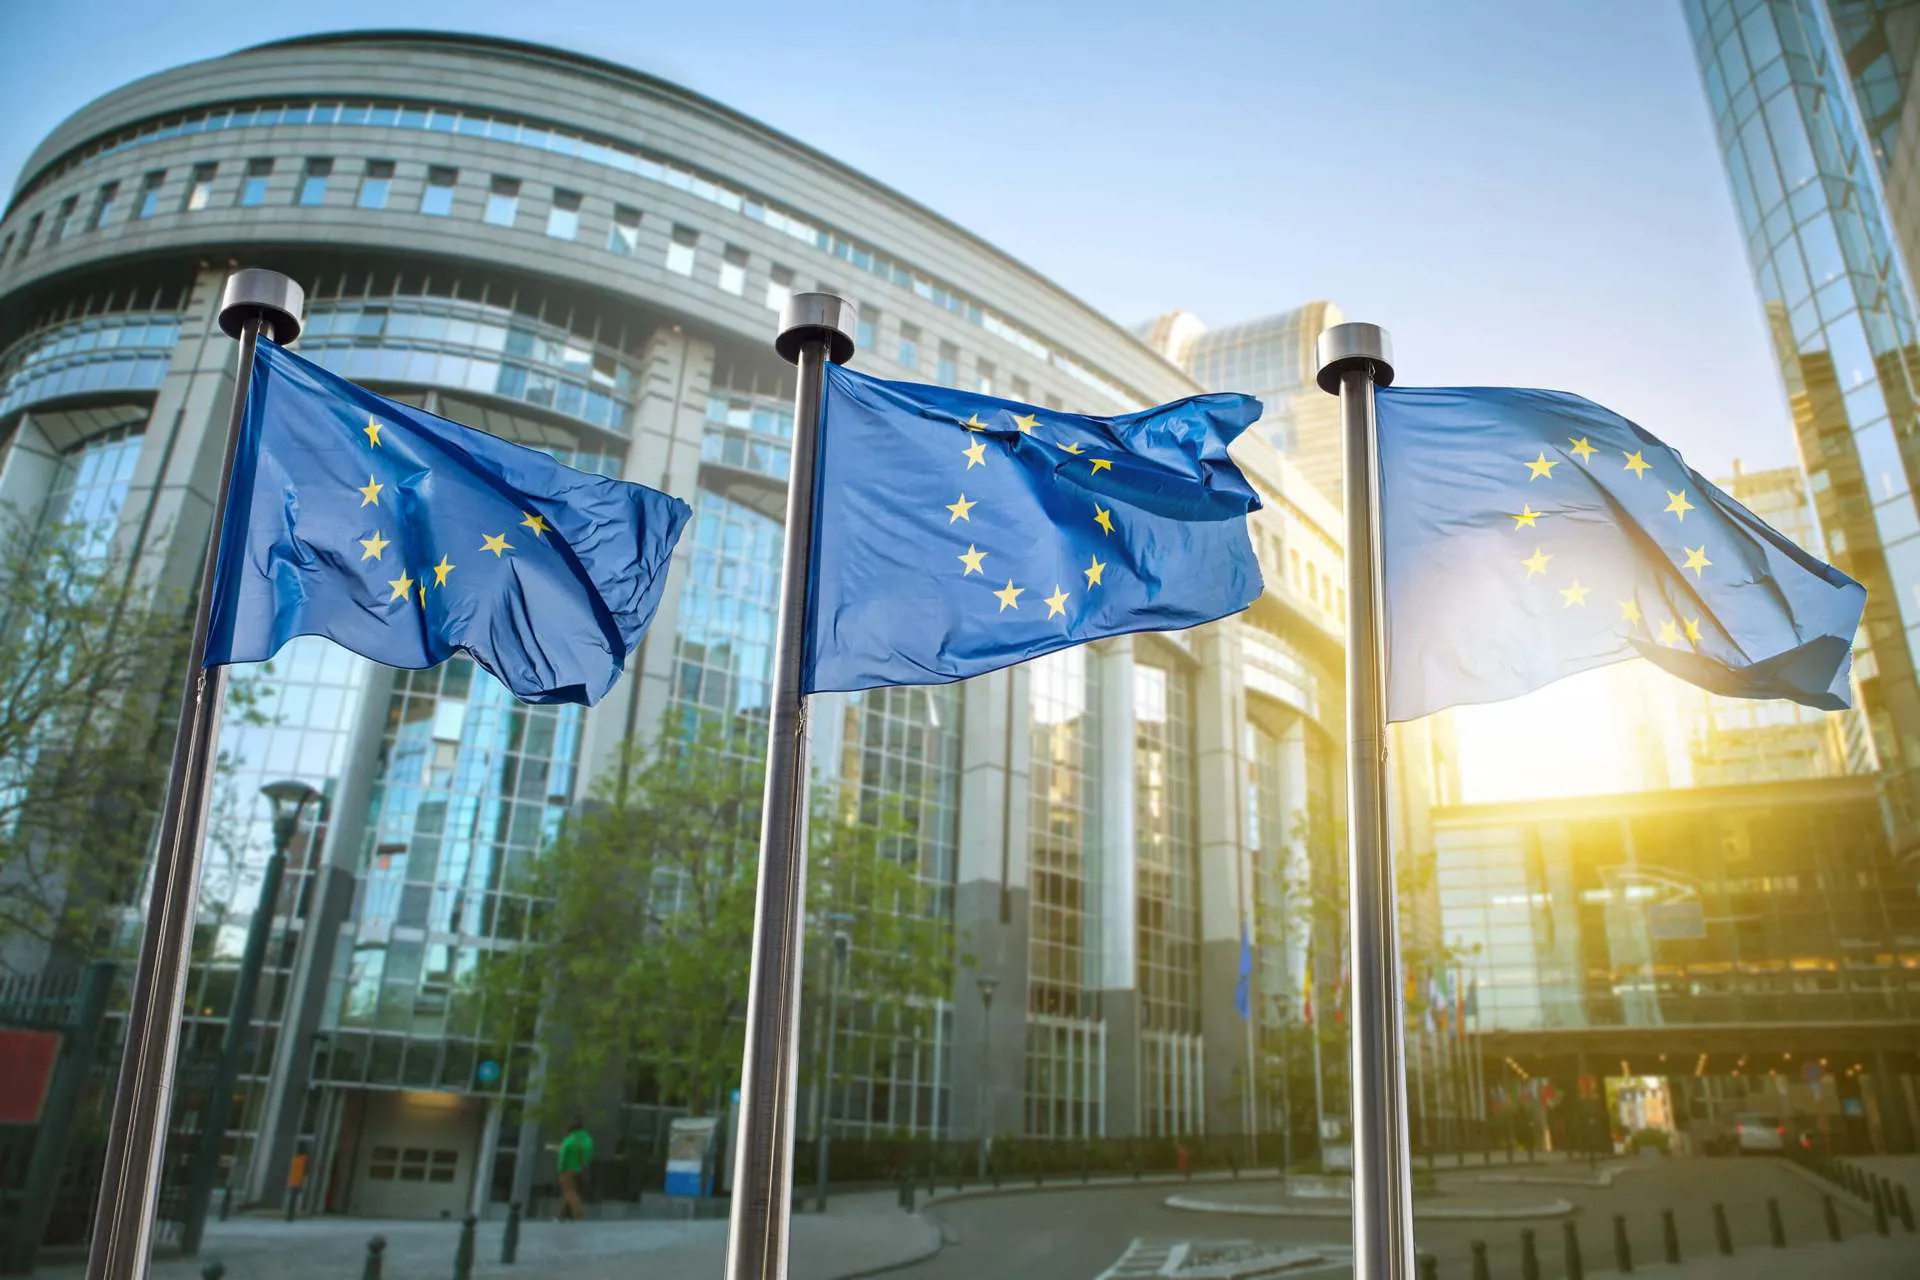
[
  {"x": 377, "y": 185},
  {"x": 313, "y": 187},
  {"x": 563, "y": 216},
  {"x": 680, "y": 250},
  {"x": 150, "y": 194},
  {"x": 437, "y": 199},
  {"x": 909, "y": 346},
  {"x": 866, "y": 326},
  {"x": 733, "y": 271},
  {"x": 948, "y": 372},
  {"x": 1020, "y": 391},
  {"x": 199, "y": 187},
  {"x": 779, "y": 288},
  {"x": 26, "y": 241},
  {"x": 623, "y": 237},
  {"x": 983, "y": 377},
  {"x": 503, "y": 202},
  {"x": 6, "y": 249},
  {"x": 61, "y": 217},
  {"x": 103, "y": 206},
  {"x": 253, "y": 189}
]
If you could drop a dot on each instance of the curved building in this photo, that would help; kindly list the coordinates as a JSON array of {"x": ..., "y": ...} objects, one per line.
[{"x": 587, "y": 259}]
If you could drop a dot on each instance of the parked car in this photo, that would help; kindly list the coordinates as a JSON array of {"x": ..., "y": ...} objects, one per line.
[{"x": 1760, "y": 1131}]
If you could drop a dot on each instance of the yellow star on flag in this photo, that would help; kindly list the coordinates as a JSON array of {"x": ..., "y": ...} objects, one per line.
[
  {"x": 1697, "y": 559},
  {"x": 1094, "y": 570},
  {"x": 370, "y": 548},
  {"x": 1574, "y": 595},
  {"x": 971, "y": 558},
  {"x": 496, "y": 543},
  {"x": 536, "y": 523},
  {"x": 1103, "y": 517},
  {"x": 1678, "y": 504},
  {"x": 973, "y": 423},
  {"x": 1536, "y": 564},
  {"x": 958, "y": 510},
  {"x": 1541, "y": 466},
  {"x": 372, "y": 432},
  {"x": 1637, "y": 464},
  {"x": 1693, "y": 630},
  {"x": 1670, "y": 634},
  {"x": 1057, "y": 602},
  {"x": 1630, "y": 611},
  {"x": 1009, "y": 596},
  {"x": 1101, "y": 464},
  {"x": 1026, "y": 422},
  {"x": 1581, "y": 448},
  {"x": 1526, "y": 517},
  {"x": 976, "y": 454},
  {"x": 370, "y": 492},
  {"x": 440, "y": 572},
  {"x": 402, "y": 587},
  {"x": 1071, "y": 447},
  {"x": 423, "y": 595}
]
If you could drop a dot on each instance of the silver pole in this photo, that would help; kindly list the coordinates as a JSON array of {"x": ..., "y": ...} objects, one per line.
[
  {"x": 254, "y": 302},
  {"x": 837, "y": 963},
  {"x": 984, "y": 1101},
  {"x": 814, "y": 328},
  {"x": 1354, "y": 358}
]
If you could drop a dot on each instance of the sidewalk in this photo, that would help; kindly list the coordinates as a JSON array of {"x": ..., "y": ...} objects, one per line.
[
  {"x": 1861, "y": 1258},
  {"x": 859, "y": 1234}
]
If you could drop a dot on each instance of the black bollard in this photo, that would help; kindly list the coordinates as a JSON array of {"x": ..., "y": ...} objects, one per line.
[
  {"x": 932, "y": 1186},
  {"x": 1427, "y": 1267},
  {"x": 463, "y": 1252},
  {"x": 213, "y": 1270},
  {"x": 906, "y": 1193},
  {"x": 996, "y": 1179},
  {"x": 1233, "y": 1162},
  {"x": 1903, "y": 1205},
  {"x": 1622, "y": 1251},
  {"x": 510, "y": 1237},
  {"x": 1776, "y": 1229},
  {"x": 1722, "y": 1235},
  {"x": 1529, "y": 1256},
  {"x": 375, "y": 1263},
  {"x": 1833, "y": 1217},
  {"x": 1480, "y": 1271},
  {"x": 1576, "y": 1269},
  {"x": 1878, "y": 1195},
  {"x": 1880, "y": 1216},
  {"x": 1669, "y": 1235},
  {"x": 226, "y": 1201}
]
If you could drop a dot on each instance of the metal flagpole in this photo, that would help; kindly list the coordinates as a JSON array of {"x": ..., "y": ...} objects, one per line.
[
  {"x": 814, "y": 328},
  {"x": 254, "y": 302},
  {"x": 1354, "y": 359}
]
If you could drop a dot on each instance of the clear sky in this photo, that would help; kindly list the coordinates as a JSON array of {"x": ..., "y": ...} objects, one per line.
[{"x": 1522, "y": 192}]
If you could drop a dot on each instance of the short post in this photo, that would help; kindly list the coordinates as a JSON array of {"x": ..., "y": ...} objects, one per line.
[
  {"x": 1833, "y": 1216},
  {"x": 1670, "y": 1235},
  {"x": 214, "y": 1270},
  {"x": 1877, "y": 1193},
  {"x": 463, "y": 1252},
  {"x": 226, "y": 1201},
  {"x": 375, "y": 1262},
  {"x": 1622, "y": 1251},
  {"x": 1480, "y": 1271},
  {"x": 1904, "y": 1204},
  {"x": 1529, "y": 1256},
  {"x": 1776, "y": 1229},
  {"x": 1576, "y": 1268},
  {"x": 510, "y": 1238},
  {"x": 1428, "y": 1267},
  {"x": 1880, "y": 1216},
  {"x": 906, "y": 1192},
  {"x": 1722, "y": 1234}
]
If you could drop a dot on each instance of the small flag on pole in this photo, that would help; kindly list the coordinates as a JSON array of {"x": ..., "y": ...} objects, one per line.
[
  {"x": 1529, "y": 535},
  {"x": 1243, "y": 989},
  {"x": 957, "y": 534},
  {"x": 405, "y": 538},
  {"x": 1306, "y": 994}
]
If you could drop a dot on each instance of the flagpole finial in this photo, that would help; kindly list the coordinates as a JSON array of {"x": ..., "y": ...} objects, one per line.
[
  {"x": 1346, "y": 345},
  {"x": 812, "y": 317},
  {"x": 275, "y": 300}
]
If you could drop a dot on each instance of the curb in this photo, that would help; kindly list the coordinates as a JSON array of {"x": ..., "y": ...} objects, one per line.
[
  {"x": 1523, "y": 1213},
  {"x": 926, "y": 1252},
  {"x": 1096, "y": 1184},
  {"x": 1841, "y": 1196},
  {"x": 1604, "y": 1178}
]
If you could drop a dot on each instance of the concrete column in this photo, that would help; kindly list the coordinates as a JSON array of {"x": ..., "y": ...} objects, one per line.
[
  {"x": 526, "y": 1161},
  {"x": 483, "y": 1167},
  {"x": 990, "y": 904},
  {"x": 1117, "y": 896},
  {"x": 667, "y": 426},
  {"x": 1896, "y": 1124},
  {"x": 27, "y": 470},
  {"x": 1220, "y": 804}
]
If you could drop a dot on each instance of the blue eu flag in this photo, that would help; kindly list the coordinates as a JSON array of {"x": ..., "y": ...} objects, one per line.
[
  {"x": 1528, "y": 535},
  {"x": 406, "y": 538},
  {"x": 956, "y": 533}
]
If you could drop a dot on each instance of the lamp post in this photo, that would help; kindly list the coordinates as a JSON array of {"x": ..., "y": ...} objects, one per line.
[
  {"x": 290, "y": 800},
  {"x": 839, "y": 961},
  {"x": 987, "y": 987}
]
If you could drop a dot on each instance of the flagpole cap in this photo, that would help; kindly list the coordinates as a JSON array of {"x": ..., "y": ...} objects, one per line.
[
  {"x": 1346, "y": 346},
  {"x": 816, "y": 317},
  {"x": 275, "y": 300}
]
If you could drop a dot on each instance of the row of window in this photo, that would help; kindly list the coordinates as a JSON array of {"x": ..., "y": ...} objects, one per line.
[{"x": 453, "y": 120}]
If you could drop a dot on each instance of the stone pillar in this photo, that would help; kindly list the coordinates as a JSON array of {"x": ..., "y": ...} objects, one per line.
[
  {"x": 27, "y": 471},
  {"x": 1220, "y": 803},
  {"x": 990, "y": 904},
  {"x": 1117, "y": 896},
  {"x": 1896, "y": 1124}
]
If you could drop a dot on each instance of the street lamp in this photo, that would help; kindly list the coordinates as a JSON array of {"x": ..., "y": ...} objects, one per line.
[
  {"x": 987, "y": 986},
  {"x": 290, "y": 800},
  {"x": 841, "y": 942}
]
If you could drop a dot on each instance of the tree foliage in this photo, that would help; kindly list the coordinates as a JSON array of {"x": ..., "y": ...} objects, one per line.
[{"x": 638, "y": 960}]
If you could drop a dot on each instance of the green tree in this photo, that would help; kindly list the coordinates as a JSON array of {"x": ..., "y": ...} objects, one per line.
[{"x": 639, "y": 952}]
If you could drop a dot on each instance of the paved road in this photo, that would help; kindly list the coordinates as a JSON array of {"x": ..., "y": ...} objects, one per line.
[{"x": 1084, "y": 1234}]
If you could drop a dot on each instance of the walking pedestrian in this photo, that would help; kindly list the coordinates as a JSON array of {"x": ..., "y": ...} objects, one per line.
[{"x": 576, "y": 1155}]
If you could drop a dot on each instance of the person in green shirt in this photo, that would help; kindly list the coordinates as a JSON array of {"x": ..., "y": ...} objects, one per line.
[{"x": 576, "y": 1153}]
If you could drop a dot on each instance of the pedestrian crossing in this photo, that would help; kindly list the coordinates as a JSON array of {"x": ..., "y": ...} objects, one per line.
[{"x": 1171, "y": 1259}]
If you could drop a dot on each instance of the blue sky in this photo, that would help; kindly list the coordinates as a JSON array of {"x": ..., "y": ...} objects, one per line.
[{"x": 1523, "y": 193}]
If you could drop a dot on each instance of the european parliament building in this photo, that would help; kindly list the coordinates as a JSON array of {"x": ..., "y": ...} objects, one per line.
[{"x": 580, "y": 257}]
